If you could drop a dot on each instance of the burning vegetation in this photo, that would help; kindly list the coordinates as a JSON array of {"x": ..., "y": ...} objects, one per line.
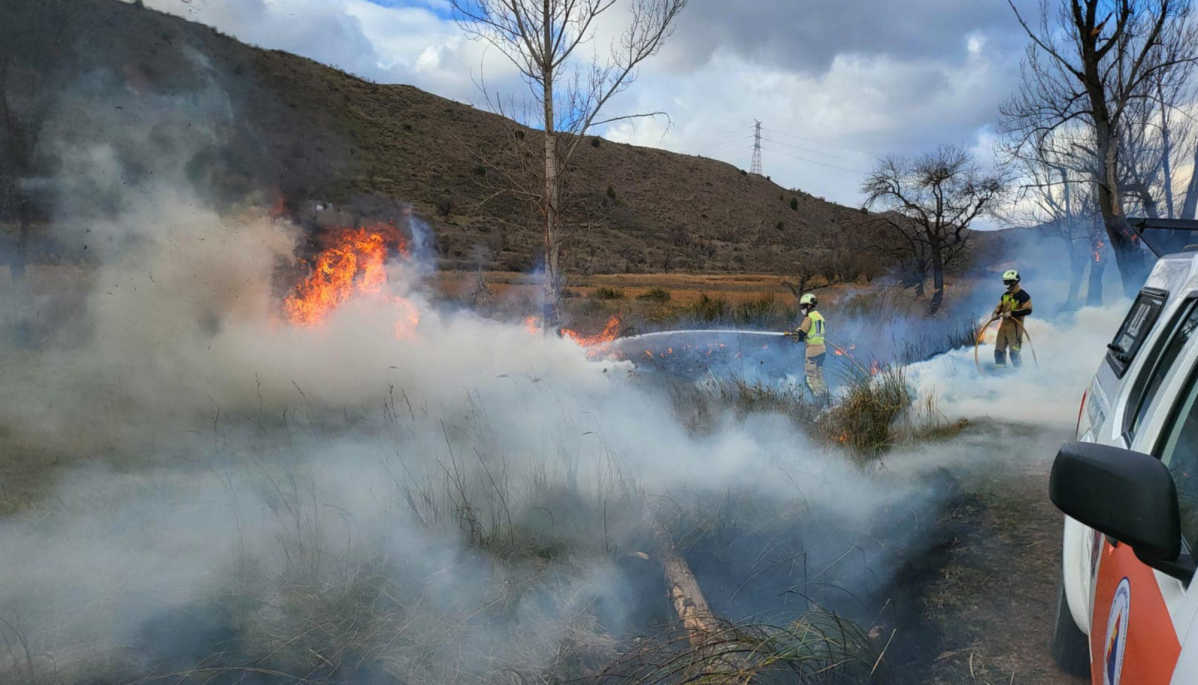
[
  {"x": 598, "y": 342},
  {"x": 352, "y": 263}
]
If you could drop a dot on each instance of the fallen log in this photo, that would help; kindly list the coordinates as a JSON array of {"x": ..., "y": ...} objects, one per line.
[{"x": 690, "y": 605}]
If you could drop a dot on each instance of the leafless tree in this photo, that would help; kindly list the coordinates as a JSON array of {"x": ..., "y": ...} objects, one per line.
[
  {"x": 1052, "y": 193},
  {"x": 1154, "y": 129},
  {"x": 929, "y": 204},
  {"x": 1088, "y": 64},
  {"x": 540, "y": 37},
  {"x": 803, "y": 274}
]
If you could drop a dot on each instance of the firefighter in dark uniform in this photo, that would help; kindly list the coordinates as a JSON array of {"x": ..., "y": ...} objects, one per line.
[{"x": 1013, "y": 309}]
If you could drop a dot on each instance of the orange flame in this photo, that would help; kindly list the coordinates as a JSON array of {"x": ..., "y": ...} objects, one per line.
[
  {"x": 608, "y": 334},
  {"x": 353, "y": 264},
  {"x": 533, "y": 324},
  {"x": 1098, "y": 251}
]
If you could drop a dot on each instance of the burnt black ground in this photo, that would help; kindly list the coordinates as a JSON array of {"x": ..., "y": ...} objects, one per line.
[{"x": 988, "y": 592}]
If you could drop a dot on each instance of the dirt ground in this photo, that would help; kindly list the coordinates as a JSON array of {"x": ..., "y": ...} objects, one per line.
[{"x": 994, "y": 597}]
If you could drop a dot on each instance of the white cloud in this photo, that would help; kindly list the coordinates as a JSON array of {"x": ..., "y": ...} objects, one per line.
[
  {"x": 821, "y": 130},
  {"x": 976, "y": 43}
]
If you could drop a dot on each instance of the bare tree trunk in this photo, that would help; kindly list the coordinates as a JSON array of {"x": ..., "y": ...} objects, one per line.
[
  {"x": 551, "y": 291},
  {"x": 1166, "y": 152},
  {"x": 1077, "y": 269},
  {"x": 1189, "y": 209},
  {"x": 1094, "y": 287},
  {"x": 1129, "y": 258},
  {"x": 937, "y": 281},
  {"x": 1077, "y": 257},
  {"x": 1097, "y": 266},
  {"x": 1146, "y": 200}
]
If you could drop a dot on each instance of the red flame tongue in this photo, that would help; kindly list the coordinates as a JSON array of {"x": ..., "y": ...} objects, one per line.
[{"x": 353, "y": 264}]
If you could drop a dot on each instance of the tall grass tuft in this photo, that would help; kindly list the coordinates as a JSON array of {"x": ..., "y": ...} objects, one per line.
[
  {"x": 658, "y": 295},
  {"x": 817, "y": 647},
  {"x": 606, "y": 293},
  {"x": 870, "y": 415},
  {"x": 863, "y": 417},
  {"x": 709, "y": 309}
]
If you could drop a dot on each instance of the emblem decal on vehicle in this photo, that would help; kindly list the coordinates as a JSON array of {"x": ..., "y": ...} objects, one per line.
[{"x": 1116, "y": 634}]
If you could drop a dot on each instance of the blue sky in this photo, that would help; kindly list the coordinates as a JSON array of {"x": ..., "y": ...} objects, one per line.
[{"x": 836, "y": 83}]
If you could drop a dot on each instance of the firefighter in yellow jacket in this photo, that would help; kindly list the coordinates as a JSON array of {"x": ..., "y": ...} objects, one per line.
[
  {"x": 812, "y": 331},
  {"x": 1013, "y": 309}
]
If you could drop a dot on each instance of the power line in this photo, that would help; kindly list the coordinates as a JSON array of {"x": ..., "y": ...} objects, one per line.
[
  {"x": 819, "y": 142},
  {"x": 755, "y": 166},
  {"x": 823, "y": 164},
  {"x": 825, "y": 153}
]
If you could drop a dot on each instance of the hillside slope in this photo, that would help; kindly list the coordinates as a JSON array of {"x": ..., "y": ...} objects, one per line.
[{"x": 311, "y": 133}]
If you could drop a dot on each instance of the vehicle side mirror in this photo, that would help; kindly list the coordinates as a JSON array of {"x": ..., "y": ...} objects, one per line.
[{"x": 1127, "y": 495}]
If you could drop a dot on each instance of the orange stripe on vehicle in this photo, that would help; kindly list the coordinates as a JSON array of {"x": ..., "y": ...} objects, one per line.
[{"x": 1149, "y": 641}]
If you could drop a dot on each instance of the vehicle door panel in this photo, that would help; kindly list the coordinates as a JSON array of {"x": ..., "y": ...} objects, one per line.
[{"x": 1145, "y": 641}]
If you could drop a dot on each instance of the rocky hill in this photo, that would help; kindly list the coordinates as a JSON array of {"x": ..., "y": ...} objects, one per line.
[{"x": 307, "y": 133}]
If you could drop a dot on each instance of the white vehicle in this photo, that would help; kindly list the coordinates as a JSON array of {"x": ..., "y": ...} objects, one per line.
[{"x": 1126, "y": 611}]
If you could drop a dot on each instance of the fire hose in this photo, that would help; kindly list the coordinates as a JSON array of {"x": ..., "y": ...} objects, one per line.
[
  {"x": 840, "y": 350},
  {"x": 982, "y": 334}
]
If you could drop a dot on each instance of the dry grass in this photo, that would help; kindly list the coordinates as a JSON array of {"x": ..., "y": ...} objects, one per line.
[
  {"x": 863, "y": 417},
  {"x": 817, "y": 647},
  {"x": 870, "y": 415}
]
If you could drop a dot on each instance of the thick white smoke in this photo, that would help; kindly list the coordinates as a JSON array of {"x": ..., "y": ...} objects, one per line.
[
  {"x": 1058, "y": 362},
  {"x": 219, "y": 447},
  {"x": 202, "y": 449}
]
